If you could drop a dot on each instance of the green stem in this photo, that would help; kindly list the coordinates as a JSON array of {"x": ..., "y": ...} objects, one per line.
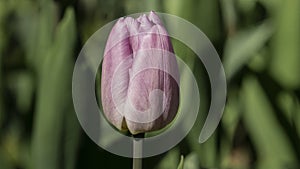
[{"x": 137, "y": 151}]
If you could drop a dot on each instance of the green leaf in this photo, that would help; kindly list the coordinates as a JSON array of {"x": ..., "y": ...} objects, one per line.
[
  {"x": 197, "y": 12},
  {"x": 170, "y": 160},
  {"x": 26, "y": 25},
  {"x": 54, "y": 96},
  {"x": 246, "y": 5},
  {"x": 260, "y": 60},
  {"x": 133, "y": 6},
  {"x": 207, "y": 150},
  {"x": 191, "y": 161},
  {"x": 271, "y": 143},
  {"x": 230, "y": 120},
  {"x": 287, "y": 104},
  {"x": 244, "y": 45},
  {"x": 229, "y": 15},
  {"x": 180, "y": 165},
  {"x": 232, "y": 113},
  {"x": 285, "y": 63},
  {"x": 41, "y": 30}
]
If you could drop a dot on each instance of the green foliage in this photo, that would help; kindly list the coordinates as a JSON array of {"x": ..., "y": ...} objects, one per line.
[
  {"x": 257, "y": 40},
  {"x": 286, "y": 61},
  {"x": 275, "y": 148},
  {"x": 171, "y": 160},
  {"x": 181, "y": 163},
  {"x": 50, "y": 110},
  {"x": 191, "y": 161},
  {"x": 242, "y": 46}
]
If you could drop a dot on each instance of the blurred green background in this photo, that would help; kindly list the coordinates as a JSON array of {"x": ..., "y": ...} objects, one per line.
[{"x": 257, "y": 40}]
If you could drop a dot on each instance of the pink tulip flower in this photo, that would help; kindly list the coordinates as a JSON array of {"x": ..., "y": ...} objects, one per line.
[{"x": 140, "y": 76}]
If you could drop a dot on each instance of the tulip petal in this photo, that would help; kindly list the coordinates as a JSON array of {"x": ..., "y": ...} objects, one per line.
[
  {"x": 154, "y": 18},
  {"x": 140, "y": 77},
  {"x": 117, "y": 55},
  {"x": 152, "y": 92}
]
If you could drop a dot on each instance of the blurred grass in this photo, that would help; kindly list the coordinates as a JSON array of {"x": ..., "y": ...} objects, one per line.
[
  {"x": 257, "y": 40},
  {"x": 242, "y": 46},
  {"x": 286, "y": 61},
  {"x": 49, "y": 122},
  {"x": 275, "y": 150}
]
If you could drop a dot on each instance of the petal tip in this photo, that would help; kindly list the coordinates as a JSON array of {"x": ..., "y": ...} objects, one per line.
[{"x": 154, "y": 18}]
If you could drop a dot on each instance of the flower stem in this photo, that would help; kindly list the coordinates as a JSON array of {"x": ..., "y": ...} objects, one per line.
[{"x": 137, "y": 151}]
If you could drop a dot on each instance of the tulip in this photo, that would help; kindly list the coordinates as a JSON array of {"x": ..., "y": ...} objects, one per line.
[{"x": 140, "y": 77}]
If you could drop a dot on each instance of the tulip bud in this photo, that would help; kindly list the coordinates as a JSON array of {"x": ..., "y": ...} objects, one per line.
[{"x": 140, "y": 77}]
